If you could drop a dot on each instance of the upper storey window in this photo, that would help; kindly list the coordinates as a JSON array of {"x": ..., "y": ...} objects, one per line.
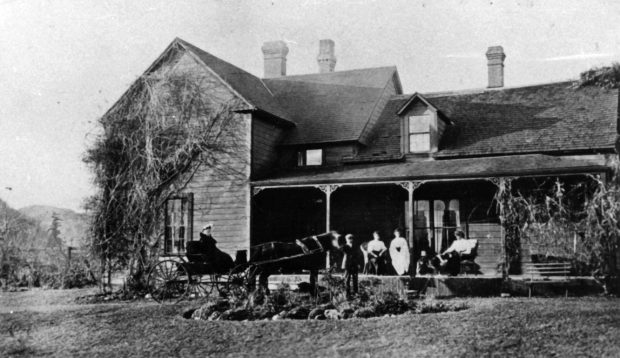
[
  {"x": 419, "y": 133},
  {"x": 310, "y": 157}
]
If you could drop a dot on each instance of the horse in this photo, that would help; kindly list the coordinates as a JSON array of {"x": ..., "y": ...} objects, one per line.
[{"x": 308, "y": 253}]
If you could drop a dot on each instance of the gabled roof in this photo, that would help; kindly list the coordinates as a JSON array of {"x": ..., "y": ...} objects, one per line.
[
  {"x": 324, "y": 107},
  {"x": 555, "y": 117},
  {"x": 248, "y": 86},
  {"x": 331, "y": 107}
]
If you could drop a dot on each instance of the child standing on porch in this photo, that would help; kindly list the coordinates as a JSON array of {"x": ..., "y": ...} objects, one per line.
[{"x": 350, "y": 265}]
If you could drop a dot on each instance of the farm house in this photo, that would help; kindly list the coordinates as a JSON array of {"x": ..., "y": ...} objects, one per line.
[{"x": 349, "y": 151}]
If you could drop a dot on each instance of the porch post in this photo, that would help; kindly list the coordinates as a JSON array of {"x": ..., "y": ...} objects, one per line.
[
  {"x": 410, "y": 186},
  {"x": 328, "y": 190}
]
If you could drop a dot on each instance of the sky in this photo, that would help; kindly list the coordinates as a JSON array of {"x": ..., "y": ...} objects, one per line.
[{"x": 64, "y": 63}]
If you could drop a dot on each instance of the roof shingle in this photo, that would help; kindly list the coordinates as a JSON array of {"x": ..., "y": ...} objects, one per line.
[
  {"x": 535, "y": 119},
  {"x": 330, "y": 107}
]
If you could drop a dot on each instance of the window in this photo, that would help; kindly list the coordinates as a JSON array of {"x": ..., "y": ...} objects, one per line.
[
  {"x": 179, "y": 223},
  {"x": 419, "y": 133},
  {"x": 435, "y": 223},
  {"x": 310, "y": 157}
]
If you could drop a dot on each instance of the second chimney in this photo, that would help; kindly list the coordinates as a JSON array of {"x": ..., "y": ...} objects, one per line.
[
  {"x": 274, "y": 54},
  {"x": 495, "y": 63},
  {"x": 326, "y": 57}
]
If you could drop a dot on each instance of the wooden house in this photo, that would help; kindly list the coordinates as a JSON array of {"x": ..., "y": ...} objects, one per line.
[{"x": 348, "y": 150}]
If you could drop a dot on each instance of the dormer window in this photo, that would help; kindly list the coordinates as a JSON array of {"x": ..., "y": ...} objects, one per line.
[
  {"x": 419, "y": 133},
  {"x": 310, "y": 157},
  {"x": 422, "y": 127}
]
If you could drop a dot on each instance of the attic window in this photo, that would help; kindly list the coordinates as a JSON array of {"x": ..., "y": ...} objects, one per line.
[
  {"x": 419, "y": 133},
  {"x": 310, "y": 157}
]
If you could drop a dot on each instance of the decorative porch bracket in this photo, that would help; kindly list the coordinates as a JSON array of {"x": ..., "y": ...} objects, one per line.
[
  {"x": 500, "y": 181},
  {"x": 328, "y": 189},
  {"x": 256, "y": 190}
]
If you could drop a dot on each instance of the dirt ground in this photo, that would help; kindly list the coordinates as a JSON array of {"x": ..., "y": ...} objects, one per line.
[{"x": 49, "y": 323}]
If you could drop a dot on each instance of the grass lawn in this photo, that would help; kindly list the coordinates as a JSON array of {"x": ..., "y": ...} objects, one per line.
[{"x": 50, "y": 324}]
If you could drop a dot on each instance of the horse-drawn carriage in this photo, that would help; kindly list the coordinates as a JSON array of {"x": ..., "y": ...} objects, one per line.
[{"x": 200, "y": 273}]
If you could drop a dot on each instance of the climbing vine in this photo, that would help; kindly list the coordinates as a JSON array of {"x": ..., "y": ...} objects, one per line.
[
  {"x": 150, "y": 145},
  {"x": 559, "y": 222}
]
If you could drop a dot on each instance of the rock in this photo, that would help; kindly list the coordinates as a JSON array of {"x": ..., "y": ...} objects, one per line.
[
  {"x": 283, "y": 314},
  {"x": 235, "y": 314},
  {"x": 276, "y": 317},
  {"x": 215, "y": 315},
  {"x": 364, "y": 312},
  {"x": 347, "y": 313},
  {"x": 327, "y": 306},
  {"x": 205, "y": 311},
  {"x": 333, "y": 314},
  {"x": 318, "y": 311},
  {"x": 147, "y": 296},
  {"x": 300, "y": 312},
  {"x": 263, "y": 312}
]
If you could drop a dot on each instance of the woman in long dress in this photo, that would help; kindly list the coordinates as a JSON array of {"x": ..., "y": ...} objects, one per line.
[{"x": 399, "y": 252}]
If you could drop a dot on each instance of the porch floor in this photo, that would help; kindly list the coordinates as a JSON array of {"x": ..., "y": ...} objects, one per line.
[{"x": 465, "y": 285}]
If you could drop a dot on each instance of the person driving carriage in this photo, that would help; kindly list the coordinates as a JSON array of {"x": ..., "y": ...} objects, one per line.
[{"x": 206, "y": 249}]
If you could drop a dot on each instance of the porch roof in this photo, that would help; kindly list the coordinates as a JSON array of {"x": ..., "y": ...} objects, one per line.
[{"x": 517, "y": 165}]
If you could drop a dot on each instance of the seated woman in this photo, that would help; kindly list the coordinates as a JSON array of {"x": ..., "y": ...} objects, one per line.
[
  {"x": 376, "y": 254},
  {"x": 461, "y": 249}
]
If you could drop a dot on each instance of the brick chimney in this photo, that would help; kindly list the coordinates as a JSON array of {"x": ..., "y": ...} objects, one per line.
[
  {"x": 495, "y": 63},
  {"x": 326, "y": 57},
  {"x": 274, "y": 54}
]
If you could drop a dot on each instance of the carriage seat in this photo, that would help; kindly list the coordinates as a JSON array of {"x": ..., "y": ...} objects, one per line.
[{"x": 195, "y": 251}]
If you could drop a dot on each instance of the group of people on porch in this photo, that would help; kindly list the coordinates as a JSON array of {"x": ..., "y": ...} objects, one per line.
[{"x": 379, "y": 259}]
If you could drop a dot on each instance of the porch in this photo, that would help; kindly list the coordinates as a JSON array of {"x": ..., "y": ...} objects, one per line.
[
  {"x": 429, "y": 200},
  {"x": 428, "y": 212}
]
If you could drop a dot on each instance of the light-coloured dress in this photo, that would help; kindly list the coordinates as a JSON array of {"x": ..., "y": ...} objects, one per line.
[{"x": 399, "y": 252}]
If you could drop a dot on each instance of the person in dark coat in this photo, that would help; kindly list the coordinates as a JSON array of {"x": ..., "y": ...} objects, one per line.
[
  {"x": 350, "y": 265},
  {"x": 219, "y": 260}
]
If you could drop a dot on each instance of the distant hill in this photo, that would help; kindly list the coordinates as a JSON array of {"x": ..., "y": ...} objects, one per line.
[{"x": 73, "y": 226}]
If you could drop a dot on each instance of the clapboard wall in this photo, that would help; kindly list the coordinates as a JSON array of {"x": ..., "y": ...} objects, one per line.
[{"x": 221, "y": 196}]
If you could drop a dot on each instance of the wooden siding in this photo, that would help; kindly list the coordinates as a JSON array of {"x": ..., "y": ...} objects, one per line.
[
  {"x": 489, "y": 236},
  {"x": 221, "y": 198},
  {"x": 370, "y": 131},
  {"x": 265, "y": 137}
]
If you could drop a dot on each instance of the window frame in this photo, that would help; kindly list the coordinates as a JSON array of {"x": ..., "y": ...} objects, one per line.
[
  {"x": 426, "y": 132},
  {"x": 170, "y": 248},
  {"x": 436, "y": 223},
  {"x": 302, "y": 157}
]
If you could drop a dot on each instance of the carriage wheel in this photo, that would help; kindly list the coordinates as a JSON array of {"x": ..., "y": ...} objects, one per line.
[
  {"x": 200, "y": 286},
  {"x": 239, "y": 280},
  {"x": 203, "y": 285},
  {"x": 169, "y": 282}
]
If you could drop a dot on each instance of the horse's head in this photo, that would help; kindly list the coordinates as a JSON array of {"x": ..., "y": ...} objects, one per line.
[{"x": 330, "y": 240}]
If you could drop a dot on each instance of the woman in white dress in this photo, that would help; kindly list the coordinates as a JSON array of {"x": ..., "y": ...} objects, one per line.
[{"x": 399, "y": 252}]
